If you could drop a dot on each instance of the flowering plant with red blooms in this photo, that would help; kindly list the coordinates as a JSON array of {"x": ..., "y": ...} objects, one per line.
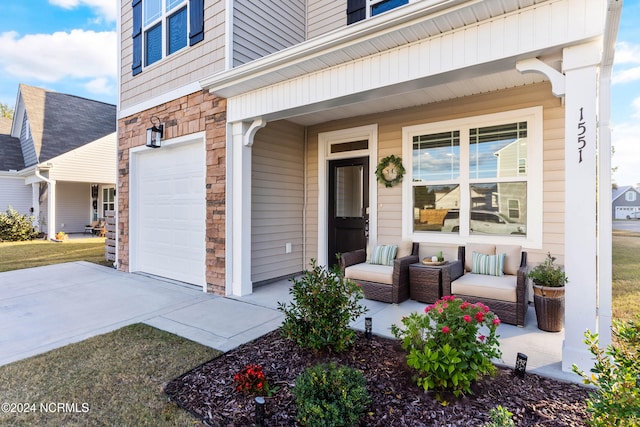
[
  {"x": 451, "y": 344},
  {"x": 252, "y": 380}
]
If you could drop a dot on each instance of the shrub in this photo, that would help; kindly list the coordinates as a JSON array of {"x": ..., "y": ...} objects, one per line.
[
  {"x": 445, "y": 347},
  {"x": 500, "y": 417},
  {"x": 616, "y": 376},
  {"x": 330, "y": 395},
  {"x": 323, "y": 304},
  {"x": 15, "y": 226},
  {"x": 252, "y": 380}
]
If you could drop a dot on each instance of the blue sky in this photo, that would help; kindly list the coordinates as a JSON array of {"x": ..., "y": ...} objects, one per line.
[{"x": 70, "y": 46}]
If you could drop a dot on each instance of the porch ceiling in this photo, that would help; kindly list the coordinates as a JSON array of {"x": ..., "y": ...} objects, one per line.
[{"x": 420, "y": 96}]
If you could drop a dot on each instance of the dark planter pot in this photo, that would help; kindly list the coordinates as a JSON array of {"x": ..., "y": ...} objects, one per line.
[{"x": 549, "y": 304}]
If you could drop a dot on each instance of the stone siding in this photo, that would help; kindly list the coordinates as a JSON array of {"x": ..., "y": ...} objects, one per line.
[{"x": 193, "y": 113}]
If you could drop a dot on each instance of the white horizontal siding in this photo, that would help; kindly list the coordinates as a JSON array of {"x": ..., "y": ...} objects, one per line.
[
  {"x": 94, "y": 163},
  {"x": 277, "y": 201},
  {"x": 73, "y": 206},
  {"x": 262, "y": 27},
  {"x": 14, "y": 193}
]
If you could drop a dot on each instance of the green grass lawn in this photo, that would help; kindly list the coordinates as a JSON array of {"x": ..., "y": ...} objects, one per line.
[
  {"x": 112, "y": 379},
  {"x": 626, "y": 275},
  {"x": 35, "y": 253}
]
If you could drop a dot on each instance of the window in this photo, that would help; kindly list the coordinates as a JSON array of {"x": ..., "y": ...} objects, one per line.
[
  {"x": 480, "y": 176},
  {"x": 358, "y": 10},
  {"x": 163, "y": 27},
  {"x": 108, "y": 200},
  {"x": 630, "y": 196},
  {"x": 173, "y": 18}
]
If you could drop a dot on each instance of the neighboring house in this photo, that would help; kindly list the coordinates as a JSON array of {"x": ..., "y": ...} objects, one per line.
[
  {"x": 270, "y": 108},
  {"x": 625, "y": 203},
  {"x": 58, "y": 159}
]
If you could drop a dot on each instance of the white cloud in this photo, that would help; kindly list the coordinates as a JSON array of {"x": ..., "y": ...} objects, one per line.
[
  {"x": 627, "y": 53},
  {"x": 107, "y": 9},
  {"x": 626, "y": 67},
  {"x": 626, "y": 144},
  {"x": 100, "y": 86},
  {"x": 52, "y": 57}
]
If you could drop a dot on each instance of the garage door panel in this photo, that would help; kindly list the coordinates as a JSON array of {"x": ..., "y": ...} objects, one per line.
[{"x": 171, "y": 216}]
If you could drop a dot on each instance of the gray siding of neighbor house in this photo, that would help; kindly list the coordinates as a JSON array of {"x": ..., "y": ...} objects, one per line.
[
  {"x": 28, "y": 148},
  {"x": 261, "y": 27},
  {"x": 325, "y": 15},
  {"x": 622, "y": 202},
  {"x": 277, "y": 201}
]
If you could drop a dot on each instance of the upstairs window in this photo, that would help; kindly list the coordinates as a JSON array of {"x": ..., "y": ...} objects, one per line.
[
  {"x": 163, "y": 27},
  {"x": 358, "y": 10}
]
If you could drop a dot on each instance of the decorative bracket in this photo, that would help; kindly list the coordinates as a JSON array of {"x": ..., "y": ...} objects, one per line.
[
  {"x": 534, "y": 65},
  {"x": 254, "y": 127}
]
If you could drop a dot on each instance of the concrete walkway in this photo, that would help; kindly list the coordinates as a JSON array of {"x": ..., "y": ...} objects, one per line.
[{"x": 48, "y": 307}]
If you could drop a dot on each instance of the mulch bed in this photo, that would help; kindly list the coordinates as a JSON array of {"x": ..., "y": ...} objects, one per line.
[{"x": 208, "y": 390}]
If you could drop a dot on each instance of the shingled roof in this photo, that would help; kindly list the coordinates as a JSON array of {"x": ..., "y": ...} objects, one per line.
[
  {"x": 10, "y": 153},
  {"x": 60, "y": 123}
]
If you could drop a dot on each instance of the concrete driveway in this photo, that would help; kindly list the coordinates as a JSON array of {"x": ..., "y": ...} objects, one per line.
[{"x": 48, "y": 307}]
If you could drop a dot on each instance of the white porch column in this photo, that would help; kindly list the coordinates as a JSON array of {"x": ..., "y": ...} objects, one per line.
[
  {"x": 35, "y": 204},
  {"x": 51, "y": 209},
  {"x": 580, "y": 66},
  {"x": 239, "y": 216}
]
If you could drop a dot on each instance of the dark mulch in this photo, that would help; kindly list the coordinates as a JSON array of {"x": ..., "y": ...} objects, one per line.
[{"x": 208, "y": 390}]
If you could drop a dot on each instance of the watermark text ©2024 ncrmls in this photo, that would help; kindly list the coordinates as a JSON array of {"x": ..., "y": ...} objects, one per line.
[{"x": 45, "y": 407}]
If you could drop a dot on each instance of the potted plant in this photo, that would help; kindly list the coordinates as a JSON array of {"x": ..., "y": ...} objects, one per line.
[{"x": 548, "y": 294}]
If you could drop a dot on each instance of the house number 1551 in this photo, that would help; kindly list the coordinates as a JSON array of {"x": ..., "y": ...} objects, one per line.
[{"x": 582, "y": 130}]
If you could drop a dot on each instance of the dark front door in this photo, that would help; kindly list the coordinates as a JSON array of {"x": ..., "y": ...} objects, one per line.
[{"x": 348, "y": 206}]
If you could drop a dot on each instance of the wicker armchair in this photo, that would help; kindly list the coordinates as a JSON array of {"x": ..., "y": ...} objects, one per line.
[
  {"x": 512, "y": 312},
  {"x": 395, "y": 292}
]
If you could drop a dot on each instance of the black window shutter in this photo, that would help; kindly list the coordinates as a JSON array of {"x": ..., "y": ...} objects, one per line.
[
  {"x": 136, "y": 67},
  {"x": 356, "y": 10},
  {"x": 196, "y": 20}
]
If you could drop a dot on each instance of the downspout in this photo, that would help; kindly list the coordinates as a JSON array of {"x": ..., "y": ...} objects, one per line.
[
  {"x": 604, "y": 267},
  {"x": 51, "y": 206},
  {"x": 305, "y": 195}
]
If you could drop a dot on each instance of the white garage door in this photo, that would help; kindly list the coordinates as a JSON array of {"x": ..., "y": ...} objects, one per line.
[{"x": 169, "y": 216}]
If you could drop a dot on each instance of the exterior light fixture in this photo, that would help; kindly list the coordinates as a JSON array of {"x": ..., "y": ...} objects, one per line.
[
  {"x": 259, "y": 421},
  {"x": 521, "y": 365},
  {"x": 368, "y": 326},
  {"x": 155, "y": 133}
]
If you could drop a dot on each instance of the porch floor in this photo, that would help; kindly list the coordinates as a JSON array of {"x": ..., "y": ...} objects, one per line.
[{"x": 543, "y": 349}]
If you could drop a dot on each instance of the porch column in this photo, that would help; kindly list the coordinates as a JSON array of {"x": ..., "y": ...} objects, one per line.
[
  {"x": 51, "y": 209},
  {"x": 580, "y": 66},
  {"x": 35, "y": 203},
  {"x": 239, "y": 216}
]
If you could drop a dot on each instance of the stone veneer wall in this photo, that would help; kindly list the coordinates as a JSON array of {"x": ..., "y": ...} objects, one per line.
[{"x": 193, "y": 113}]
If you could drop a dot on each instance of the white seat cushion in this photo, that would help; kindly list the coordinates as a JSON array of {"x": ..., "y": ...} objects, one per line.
[
  {"x": 370, "y": 273},
  {"x": 502, "y": 288}
]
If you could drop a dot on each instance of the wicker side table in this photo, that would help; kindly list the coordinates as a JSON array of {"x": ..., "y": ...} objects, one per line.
[{"x": 425, "y": 282}]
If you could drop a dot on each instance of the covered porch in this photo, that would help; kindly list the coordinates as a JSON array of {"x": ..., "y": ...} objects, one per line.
[{"x": 295, "y": 113}]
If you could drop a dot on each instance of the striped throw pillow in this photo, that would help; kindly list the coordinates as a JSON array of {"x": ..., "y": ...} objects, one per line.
[
  {"x": 383, "y": 255},
  {"x": 492, "y": 265}
]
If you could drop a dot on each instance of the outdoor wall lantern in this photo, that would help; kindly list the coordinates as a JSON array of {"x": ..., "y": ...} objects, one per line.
[
  {"x": 368, "y": 325},
  {"x": 521, "y": 365},
  {"x": 154, "y": 133}
]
